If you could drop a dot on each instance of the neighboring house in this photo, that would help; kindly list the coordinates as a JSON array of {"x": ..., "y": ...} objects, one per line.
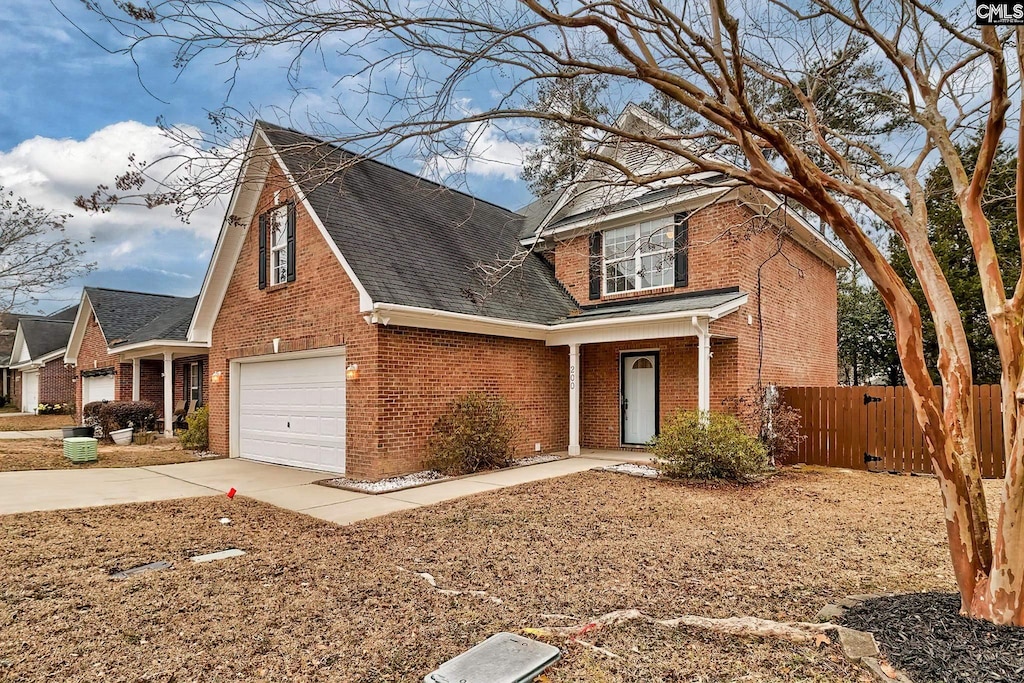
[
  {"x": 37, "y": 357},
  {"x": 132, "y": 346},
  {"x": 8, "y": 328},
  {"x": 344, "y": 307}
]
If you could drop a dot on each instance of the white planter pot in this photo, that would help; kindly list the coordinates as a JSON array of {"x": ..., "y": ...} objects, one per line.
[{"x": 122, "y": 436}]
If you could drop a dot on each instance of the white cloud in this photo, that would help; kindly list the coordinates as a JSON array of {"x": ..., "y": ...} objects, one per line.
[
  {"x": 51, "y": 172},
  {"x": 484, "y": 150}
]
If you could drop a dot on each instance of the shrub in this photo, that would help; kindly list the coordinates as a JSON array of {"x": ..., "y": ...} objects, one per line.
[
  {"x": 695, "y": 445},
  {"x": 108, "y": 416},
  {"x": 777, "y": 424},
  {"x": 475, "y": 433},
  {"x": 197, "y": 436},
  {"x": 4, "y": 400}
]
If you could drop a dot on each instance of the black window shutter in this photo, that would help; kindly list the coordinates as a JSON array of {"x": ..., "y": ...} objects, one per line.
[
  {"x": 682, "y": 247},
  {"x": 595, "y": 265},
  {"x": 263, "y": 251},
  {"x": 291, "y": 242}
]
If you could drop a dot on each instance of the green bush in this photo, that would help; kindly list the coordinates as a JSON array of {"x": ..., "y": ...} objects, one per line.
[
  {"x": 695, "y": 445},
  {"x": 197, "y": 436},
  {"x": 476, "y": 432}
]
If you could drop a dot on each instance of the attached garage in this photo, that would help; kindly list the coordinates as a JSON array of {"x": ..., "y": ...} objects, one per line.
[
  {"x": 291, "y": 411},
  {"x": 29, "y": 391},
  {"x": 97, "y": 388}
]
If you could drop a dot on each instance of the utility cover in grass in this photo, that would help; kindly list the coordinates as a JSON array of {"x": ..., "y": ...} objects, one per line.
[{"x": 924, "y": 635}]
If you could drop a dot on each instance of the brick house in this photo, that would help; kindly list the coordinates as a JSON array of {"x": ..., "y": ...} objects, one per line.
[
  {"x": 345, "y": 307},
  {"x": 37, "y": 361},
  {"x": 130, "y": 346}
]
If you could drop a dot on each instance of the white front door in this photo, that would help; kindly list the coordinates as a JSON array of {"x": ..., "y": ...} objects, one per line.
[
  {"x": 292, "y": 412},
  {"x": 639, "y": 398},
  {"x": 97, "y": 388},
  {"x": 30, "y": 391}
]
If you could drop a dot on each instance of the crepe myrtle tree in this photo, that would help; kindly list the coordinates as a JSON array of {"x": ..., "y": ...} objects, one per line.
[
  {"x": 841, "y": 106},
  {"x": 36, "y": 254}
]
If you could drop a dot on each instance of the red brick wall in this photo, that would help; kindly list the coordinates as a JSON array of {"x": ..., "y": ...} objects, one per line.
[
  {"x": 320, "y": 309},
  {"x": 423, "y": 371},
  {"x": 92, "y": 356},
  {"x": 56, "y": 382},
  {"x": 151, "y": 383},
  {"x": 600, "y": 424}
]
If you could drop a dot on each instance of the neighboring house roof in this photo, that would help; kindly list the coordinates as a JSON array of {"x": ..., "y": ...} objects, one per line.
[
  {"x": 131, "y": 317},
  {"x": 694, "y": 302},
  {"x": 8, "y": 329},
  {"x": 43, "y": 336},
  {"x": 414, "y": 242},
  {"x": 67, "y": 314}
]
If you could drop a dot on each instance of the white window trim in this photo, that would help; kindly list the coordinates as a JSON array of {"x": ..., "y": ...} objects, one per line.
[
  {"x": 193, "y": 383},
  {"x": 282, "y": 213},
  {"x": 637, "y": 257}
]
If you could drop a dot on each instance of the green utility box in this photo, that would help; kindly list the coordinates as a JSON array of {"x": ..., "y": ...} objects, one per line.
[{"x": 79, "y": 449}]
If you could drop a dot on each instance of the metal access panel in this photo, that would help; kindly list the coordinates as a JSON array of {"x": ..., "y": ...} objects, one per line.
[{"x": 502, "y": 658}]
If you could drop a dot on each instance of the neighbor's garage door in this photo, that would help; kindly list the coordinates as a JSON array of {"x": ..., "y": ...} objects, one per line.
[
  {"x": 292, "y": 412},
  {"x": 100, "y": 388}
]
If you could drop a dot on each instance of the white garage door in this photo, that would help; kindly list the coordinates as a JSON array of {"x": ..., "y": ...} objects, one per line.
[
  {"x": 30, "y": 391},
  {"x": 99, "y": 388},
  {"x": 292, "y": 412}
]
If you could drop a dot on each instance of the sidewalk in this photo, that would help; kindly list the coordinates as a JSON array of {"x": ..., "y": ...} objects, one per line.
[{"x": 286, "y": 487}]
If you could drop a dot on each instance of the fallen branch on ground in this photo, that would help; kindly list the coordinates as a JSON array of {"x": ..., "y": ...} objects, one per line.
[
  {"x": 429, "y": 578},
  {"x": 800, "y": 632}
]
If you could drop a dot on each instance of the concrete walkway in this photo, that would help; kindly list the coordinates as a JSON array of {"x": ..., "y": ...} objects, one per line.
[
  {"x": 33, "y": 434},
  {"x": 286, "y": 487}
]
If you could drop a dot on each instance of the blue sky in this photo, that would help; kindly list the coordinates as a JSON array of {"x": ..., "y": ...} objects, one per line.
[{"x": 70, "y": 113}]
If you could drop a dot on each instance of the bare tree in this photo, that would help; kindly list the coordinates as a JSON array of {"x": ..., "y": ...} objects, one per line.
[
  {"x": 36, "y": 256},
  {"x": 779, "y": 108}
]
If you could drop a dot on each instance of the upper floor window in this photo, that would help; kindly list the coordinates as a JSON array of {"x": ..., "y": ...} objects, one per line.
[
  {"x": 639, "y": 257},
  {"x": 279, "y": 245}
]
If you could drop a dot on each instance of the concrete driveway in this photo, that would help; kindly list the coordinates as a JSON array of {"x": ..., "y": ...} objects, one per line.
[{"x": 286, "y": 487}]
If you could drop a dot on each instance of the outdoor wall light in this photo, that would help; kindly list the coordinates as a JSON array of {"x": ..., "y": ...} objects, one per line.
[
  {"x": 352, "y": 371},
  {"x": 216, "y": 377}
]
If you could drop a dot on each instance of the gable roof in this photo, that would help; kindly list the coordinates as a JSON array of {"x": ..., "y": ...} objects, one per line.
[
  {"x": 43, "y": 336},
  {"x": 414, "y": 242},
  {"x": 127, "y": 317}
]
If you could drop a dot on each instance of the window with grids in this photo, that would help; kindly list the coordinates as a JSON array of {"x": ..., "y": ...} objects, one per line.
[
  {"x": 193, "y": 383},
  {"x": 279, "y": 245},
  {"x": 639, "y": 257}
]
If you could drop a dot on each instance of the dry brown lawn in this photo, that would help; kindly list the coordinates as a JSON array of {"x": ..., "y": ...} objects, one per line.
[
  {"x": 27, "y": 423},
  {"x": 48, "y": 454},
  {"x": 316, "y": 602}
]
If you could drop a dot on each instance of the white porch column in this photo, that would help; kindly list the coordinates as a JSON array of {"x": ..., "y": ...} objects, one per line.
[
  {"x": 574, "y": 399},
  {"x": 168, "y": 393},
  {"x": 703, "y": 367},
  {"x": 136, "y": 378}
]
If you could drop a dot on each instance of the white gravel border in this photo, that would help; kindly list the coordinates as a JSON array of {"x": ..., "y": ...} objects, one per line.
[
  {"x": 633, "y": 469},
  {"x": 407, "y": 481}
]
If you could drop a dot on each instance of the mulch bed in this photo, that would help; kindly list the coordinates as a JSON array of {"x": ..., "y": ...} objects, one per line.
[
  {"x": 924, "y": 635},
  {"x": 48, "y": 454}
]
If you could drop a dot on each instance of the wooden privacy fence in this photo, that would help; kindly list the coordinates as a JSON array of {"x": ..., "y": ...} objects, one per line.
[{"x": 874, "y": 428}]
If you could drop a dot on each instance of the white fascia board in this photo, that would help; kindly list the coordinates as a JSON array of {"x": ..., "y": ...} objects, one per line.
[
  {"x": 819, "y": 244},
  {"x": 630, "y": 213},
  {"x": 365, "y": 302},
  {"x": 37, "y": 363},
  {"x": 78, "y": 330},
  {"x": 428, "y": 318},
  {"x": 158, "y": 346},
  {"x": 228, "y": 246},
  {"x": 19, "y": 354}
]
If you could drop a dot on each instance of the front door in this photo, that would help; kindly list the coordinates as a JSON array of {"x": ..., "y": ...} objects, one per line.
[{"x": 639, "y": 372}]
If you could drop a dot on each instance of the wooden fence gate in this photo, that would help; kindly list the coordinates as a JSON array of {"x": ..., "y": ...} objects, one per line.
[{"x": 874, "y": 428}]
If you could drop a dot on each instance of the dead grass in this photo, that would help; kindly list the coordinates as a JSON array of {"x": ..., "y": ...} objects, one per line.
[
  {"x": 26, "y": 423},
  {"x": 48, "y": 454},
  {"x": 316, "y": 602}
]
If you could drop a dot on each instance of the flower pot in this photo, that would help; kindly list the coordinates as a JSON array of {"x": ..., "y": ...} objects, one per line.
[
  {"x": 70, "y": 432},
  {"x": 122, "y": 437}
]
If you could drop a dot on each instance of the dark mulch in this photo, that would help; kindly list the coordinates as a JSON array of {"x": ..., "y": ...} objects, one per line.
[{"x": 924, "y": 635}]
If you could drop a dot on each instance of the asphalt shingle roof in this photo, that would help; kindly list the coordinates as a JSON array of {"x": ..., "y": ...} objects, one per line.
[
  {"x": 45, "y": 335},
  {"x": 131, "y": 317},
  {"x": 416, "y": 243},
  {"x": 697, "y": 301}
]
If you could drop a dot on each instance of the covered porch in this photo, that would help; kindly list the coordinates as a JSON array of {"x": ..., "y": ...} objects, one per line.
[
  {"x": 632, "y": 365},
  {"x": 172, "y": 377}
]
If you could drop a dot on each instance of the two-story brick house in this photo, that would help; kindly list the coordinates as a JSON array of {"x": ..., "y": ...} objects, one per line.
[{"x": 346, "y": 305}]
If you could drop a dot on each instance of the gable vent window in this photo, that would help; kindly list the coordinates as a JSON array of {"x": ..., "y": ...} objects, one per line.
[{"x": 639, "y": 257}]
